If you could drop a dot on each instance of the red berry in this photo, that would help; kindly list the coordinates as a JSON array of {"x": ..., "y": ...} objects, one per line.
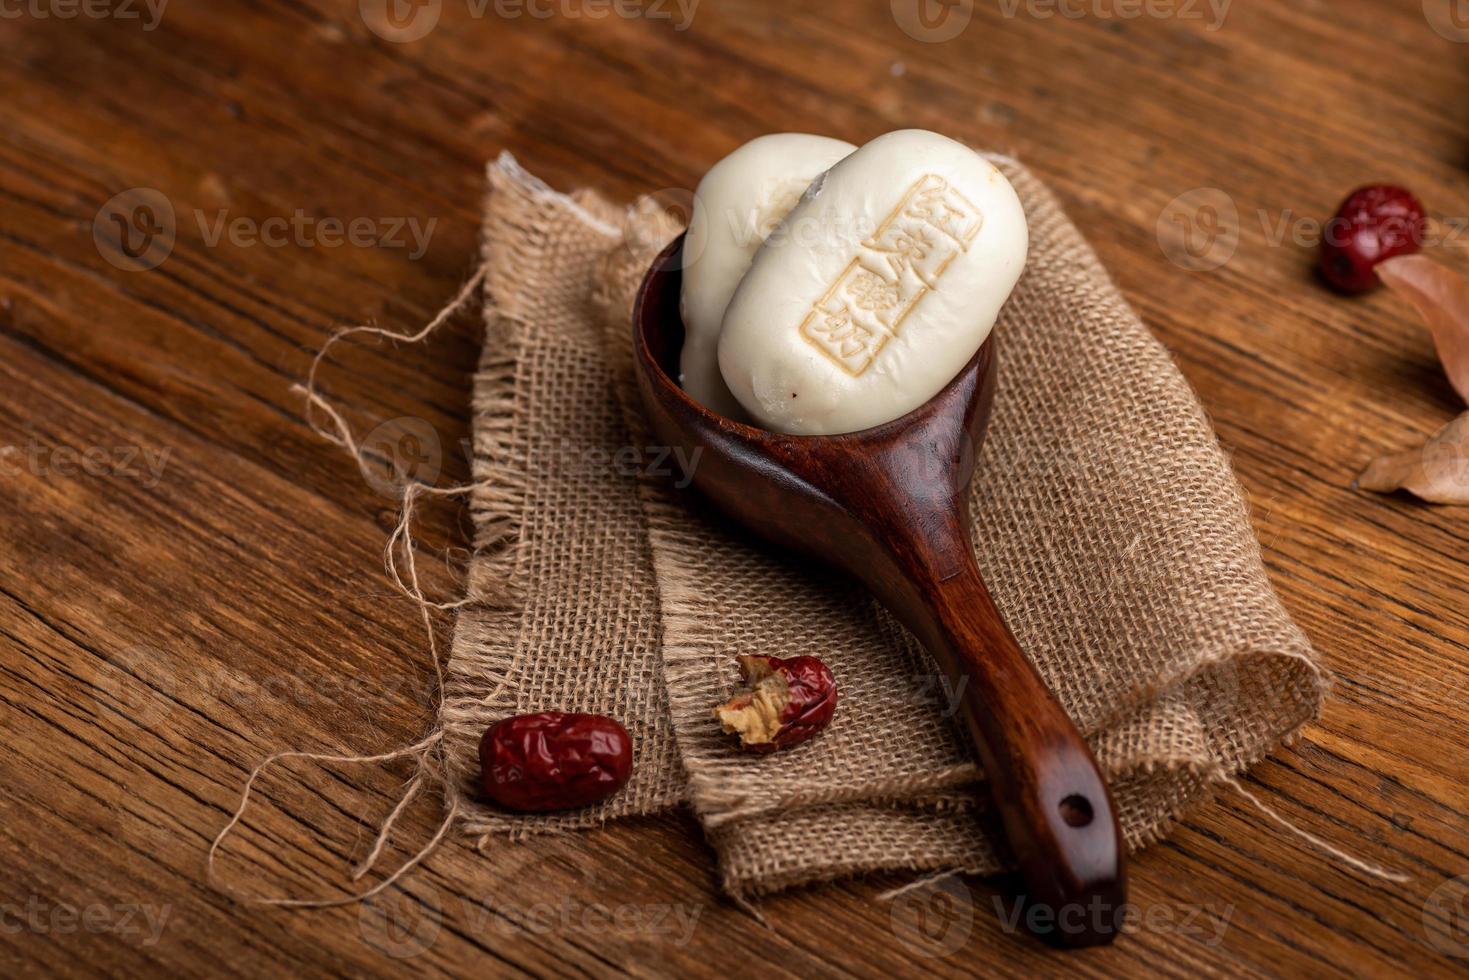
[{"x": 1372, "y": 224}]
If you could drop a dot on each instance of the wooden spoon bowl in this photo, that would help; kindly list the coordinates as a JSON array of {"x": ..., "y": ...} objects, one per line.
[{"x": 889, "y": 505}]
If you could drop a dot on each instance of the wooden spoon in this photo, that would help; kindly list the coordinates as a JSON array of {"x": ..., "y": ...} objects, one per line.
[{"x": 889, "y": 505}]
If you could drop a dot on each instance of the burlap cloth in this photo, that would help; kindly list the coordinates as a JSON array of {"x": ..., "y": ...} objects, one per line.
[{"x": 1113, "y": 535}]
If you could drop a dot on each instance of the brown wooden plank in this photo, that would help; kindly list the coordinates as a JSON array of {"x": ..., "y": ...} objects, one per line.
[{"x": 243, "y": 584}]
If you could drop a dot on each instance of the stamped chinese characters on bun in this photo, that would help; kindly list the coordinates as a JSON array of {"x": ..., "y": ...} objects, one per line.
[
  {"x": 837, "y": 332},
  {"x": 736, "y": 206}
]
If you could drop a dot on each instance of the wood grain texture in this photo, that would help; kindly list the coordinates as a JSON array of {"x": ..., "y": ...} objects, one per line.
[{"x": 164, "y": 628}]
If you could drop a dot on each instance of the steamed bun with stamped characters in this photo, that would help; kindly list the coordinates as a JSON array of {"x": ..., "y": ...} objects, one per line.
[{"x": 866, "y": 298}]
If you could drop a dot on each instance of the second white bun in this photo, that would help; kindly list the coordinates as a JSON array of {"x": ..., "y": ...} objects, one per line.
[{"x": 736, "y": 206}]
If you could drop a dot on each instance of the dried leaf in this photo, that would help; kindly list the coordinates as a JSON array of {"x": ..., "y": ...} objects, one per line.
[
  {"x": 1438, "y": 472},
  {"x": 1441, "y": 297}
]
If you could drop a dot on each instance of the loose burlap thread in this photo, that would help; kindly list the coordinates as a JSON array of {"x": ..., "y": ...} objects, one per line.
[{"x": 1107, "y": 522}]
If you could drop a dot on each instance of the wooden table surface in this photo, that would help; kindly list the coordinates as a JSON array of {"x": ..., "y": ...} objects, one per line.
[{"x": 190, "y": 579}]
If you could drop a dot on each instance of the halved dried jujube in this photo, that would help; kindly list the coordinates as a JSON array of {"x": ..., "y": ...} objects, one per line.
[{"x": 789, "y": 700}]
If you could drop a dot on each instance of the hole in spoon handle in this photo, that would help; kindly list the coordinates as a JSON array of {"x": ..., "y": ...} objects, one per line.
[{"x": 1077, "y": 810}]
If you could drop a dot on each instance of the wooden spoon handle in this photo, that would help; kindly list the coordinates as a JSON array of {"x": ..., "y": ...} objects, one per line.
[{"x": 1054, "y": 804}]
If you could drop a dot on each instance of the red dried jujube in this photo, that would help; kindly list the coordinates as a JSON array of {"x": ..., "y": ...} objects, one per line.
[
  {"x": 790, "y": 700},
  {"x": 1372, "y": 224},
  {"x": 554, "y": 760}
]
